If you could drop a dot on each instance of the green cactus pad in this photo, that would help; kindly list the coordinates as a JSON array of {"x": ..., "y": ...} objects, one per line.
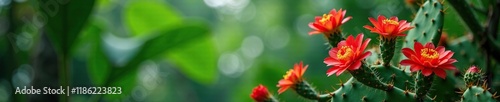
[
  {"x": 428, "y": 24},
  {"x": 467, "y": 53},
  {"x": 477, "y": 94},
  {"x": 368, "y": 77},
  {"x": 399, "y": 78}
]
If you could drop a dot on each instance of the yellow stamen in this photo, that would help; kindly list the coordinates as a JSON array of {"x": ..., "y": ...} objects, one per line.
[
  {"x": 429, "y": 53},
  {"x": 344, "y": 53},
  {"x": 393, "y": 22},
  {"x": 325, "y": 18},
  {"x": 288, "y": 73}
]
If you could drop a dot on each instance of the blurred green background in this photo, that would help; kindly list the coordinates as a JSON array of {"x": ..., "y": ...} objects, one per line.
[{"x": 176, "y": 50}]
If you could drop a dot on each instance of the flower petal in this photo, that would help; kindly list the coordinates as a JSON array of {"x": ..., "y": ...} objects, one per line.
[
  {"x": 375, "y": 23},
  {"x": 314, "y": 32},
  {"x": 333, "y": 53},
  {"x": 365, "y": 55},
  {"x": 346, "y": 19},
  {"x": 342, "y": 43},
  {"x": 426, "y": 71},
  {"x": 446, "y": 55},
  {"x": 358, "y": 41},
  {"x": 394, "y": 18},
  {"x": 282, "y": 89},
  {"x": 429, "y": 45},
  {"x": 451, "y": 61},
  {"x": 440, "y": 50},
  {"x": 284, "y": 82},
  {"x": 417, "y": 47},
  {"x": 440, "y": 73},
  {"x": 355, "y": 65},
  {"x": 331, "y": 61},
  {"x": 369, "y": 28},
  {"x": 407, "y": 52},
  {"x": 365, "y": 43},
  {"x": 414, "y": 68},
  {"x": 332, "y": 70},
  {"x": 350, "y": 40},
  {"x": 407, "y": 62},
  {"x": 448, "y": 67},
  {"x": 340, "y": 71}
]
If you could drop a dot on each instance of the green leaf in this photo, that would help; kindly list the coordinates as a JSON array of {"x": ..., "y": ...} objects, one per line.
[
  {"x": 144, "y": 17},
  {"x": 164, "y": 41},
  {"x": 197, "y": 60},
  {"x": 65, "y": 19},
  {"x": 98, "y": 63},
  {"x": 169, "y": 39}
]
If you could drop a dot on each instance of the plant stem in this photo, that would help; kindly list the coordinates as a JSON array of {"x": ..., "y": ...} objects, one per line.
[
  {"x": 64, "y": 63},
  {"x": 387, "y": 47},
  {"x": 334, "y": 38},
  {"x": 423, "y": 84}
]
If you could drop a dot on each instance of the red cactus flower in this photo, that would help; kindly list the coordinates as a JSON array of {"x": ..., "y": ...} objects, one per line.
[
  {"x": 260, "y": 93},
  {"x": 292, "y": 77},
  {"x": 429, "y": 59},
  {"x": 473, "y": 69},
  {"x": 388, "y": 28},
  {"x": 329, "y": 23},
  {"x": 347, "y": 55}
]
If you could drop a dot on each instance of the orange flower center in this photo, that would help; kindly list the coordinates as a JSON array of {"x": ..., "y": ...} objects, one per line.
[
  {"x": 392, "y": 22},
  {"x": 326, "y": 17},
  {"x": 288, "y": 73},
  {"x": 429, "y": 53},
  {"x": 344, "y": 53}
]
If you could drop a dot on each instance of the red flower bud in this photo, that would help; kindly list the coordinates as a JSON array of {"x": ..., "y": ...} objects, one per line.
[
  {"x": 260, "y": 93},
  {"x": 473, "y": 69}
]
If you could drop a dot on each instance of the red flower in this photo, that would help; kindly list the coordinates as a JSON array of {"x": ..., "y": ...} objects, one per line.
[
  {"x": 429, "y": 59},
  {"x": 388, "y": 28},
  {"x": 347, "y": 55},
  {"x": 260, "y": 93},
  {"x": 329, "y": 23},
  {"x": 292, "y": 77},
  {"x": 473, "y": 69}
]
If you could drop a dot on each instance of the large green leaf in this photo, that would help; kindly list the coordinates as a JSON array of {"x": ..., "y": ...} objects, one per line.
[
  {"x": 144, "y": 17},
  {"x": 169, "y": 39},
  {"x": 164, "y": 41},
  {"x": 65, "y": 19},
  {"x": 98, "y": 63},
  {"x": 197, "y": 60}
]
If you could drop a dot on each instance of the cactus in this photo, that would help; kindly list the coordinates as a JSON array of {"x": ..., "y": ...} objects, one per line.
[
  {"x": 352, "y": 90},
  {"x": 428, "y": 24},
  {"x": 422, "y": 71},
  {"x": 474, "y": 92},
  {"x": 477, "y": 94}
]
